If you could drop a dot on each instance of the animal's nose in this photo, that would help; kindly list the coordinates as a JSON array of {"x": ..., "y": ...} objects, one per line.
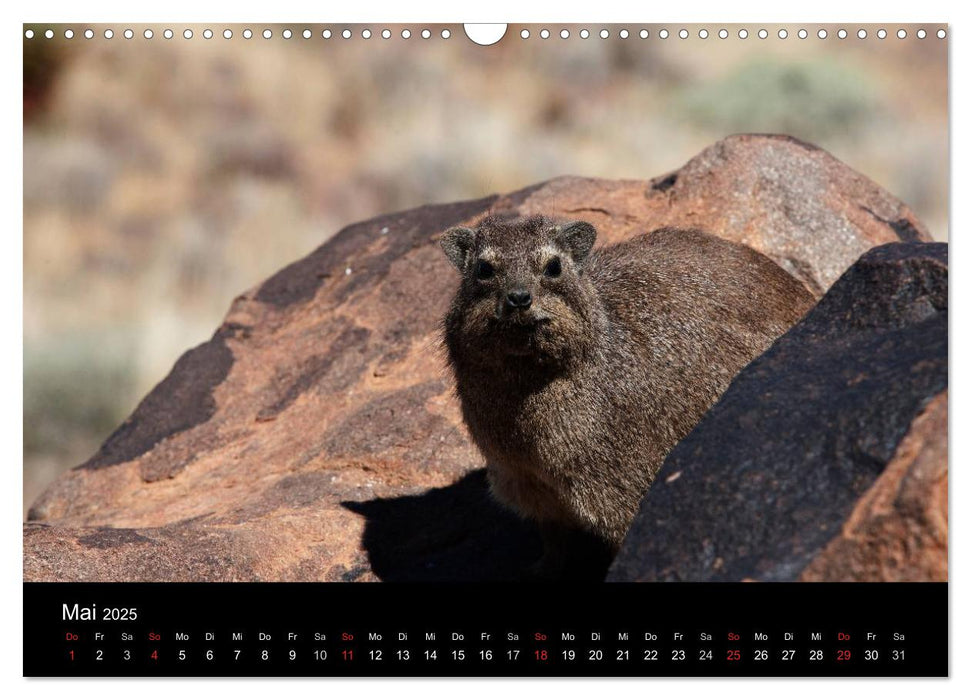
[{"x": 519, "y": 299}]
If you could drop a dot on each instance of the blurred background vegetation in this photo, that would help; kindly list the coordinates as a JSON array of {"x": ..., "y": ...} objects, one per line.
[{"x": 164, "y": 177}]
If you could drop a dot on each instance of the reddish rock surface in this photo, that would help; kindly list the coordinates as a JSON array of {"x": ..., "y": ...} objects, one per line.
[
  {"x": 898, "y": 529},
  {"x": 314, "y": 436}
]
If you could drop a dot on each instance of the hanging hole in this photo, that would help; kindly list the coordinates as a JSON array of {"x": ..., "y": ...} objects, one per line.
[{"x": 485, "y": 34}]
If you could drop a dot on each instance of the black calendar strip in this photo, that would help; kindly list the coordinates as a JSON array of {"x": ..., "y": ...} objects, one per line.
[{"x": 325, "y": 629}]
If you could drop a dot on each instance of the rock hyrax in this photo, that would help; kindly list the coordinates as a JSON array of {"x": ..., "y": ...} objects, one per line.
[{"x": 578, "y": 370}]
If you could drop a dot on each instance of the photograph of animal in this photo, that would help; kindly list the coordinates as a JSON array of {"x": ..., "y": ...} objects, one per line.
[{"x": 579, "y": 368}]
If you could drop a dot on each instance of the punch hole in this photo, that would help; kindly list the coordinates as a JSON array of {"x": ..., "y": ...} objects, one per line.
[
  {"x": 544, "y": 34},
  {"x": 148, "y": 33},
  {"x": 941, "y": 34},
  {"x": 207, "y": 34},
  {"x": 564, "y": 33},
  {"x": 643, "y": 34},
  {"x": 683, "y": 34},
  {"x": 446, "y": 34},
  {"x": 68, "y": 33},
  {"x": 663, "y": 33},
  {"x": 763, "y": 34},
  {"x": 703, "y": 34},
  {"x": 129, "y": 33},
  {"x": 267, "y": 34},
  {"x": 386, "y": 34},
  {"x": 841, "y": 33},
  {"x": 604, "y": 33},
  {"x": 802, "y": 34},
  {"x": 89, "y": 34},
  {"x": 247, "y": 33},
  {"x": 485, "y": 34},
  {"x": 743, "y": 33},
  {"x": 326, "y": 34},
  {"x": 109, "y": 33},
  {"x": 584, "y": 33},
  {"x": 624, "y": 33},
  {"x": 722, "y": 33},
  {"x": 307, "y": 34},
  {"x": 524, "y": 34},
  {"x": 346, "y": 34},
  {"x": 901, "y": 33},
  {"x": 187, "y": 34},
  {"x": 426, "y": 34},
  {"x": 286, "y": 34},
  {"x": 822, "y": 34},
  {"x": 861, "y": 34},
  {"x": 168, "y": 34},
  {"x": 366, "y": 34},
  {"x": 783, "y": 34},
  {"x": 405, "y": 33},
  {"x": 29, "y": 33},
  {"x": 227, "y": 34},
  {"x": 50, "y": 33},
  {"x": 881, "y": 34},
  {"x": 921, "y": 34}
]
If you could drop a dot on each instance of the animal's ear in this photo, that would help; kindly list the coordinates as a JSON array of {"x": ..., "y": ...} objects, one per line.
[
  {"x": 576, "y": 238},
  {"x": 457, "y": 243}
]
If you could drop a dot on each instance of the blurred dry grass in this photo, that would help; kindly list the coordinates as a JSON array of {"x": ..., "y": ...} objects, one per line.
[{"x": 163, "y": 177}]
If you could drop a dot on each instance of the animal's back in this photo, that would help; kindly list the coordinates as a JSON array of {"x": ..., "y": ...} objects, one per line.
[
  {"x": 674, "y": 277},
  {"x": 687, "y": 311},
  {"x": 684, "y": 298}
]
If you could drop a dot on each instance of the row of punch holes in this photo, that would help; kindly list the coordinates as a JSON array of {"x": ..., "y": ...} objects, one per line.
[{"x": 524, "y": 34}]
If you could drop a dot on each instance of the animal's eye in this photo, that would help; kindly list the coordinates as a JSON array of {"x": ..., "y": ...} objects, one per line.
[
  {"x": 553, "y": 268},
  {"x": 484, "y": 271}
]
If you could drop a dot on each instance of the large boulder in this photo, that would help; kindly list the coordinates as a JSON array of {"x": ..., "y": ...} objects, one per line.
[
  {"x": 315, "y": 437},
  {"x": 826, "y": 457}
]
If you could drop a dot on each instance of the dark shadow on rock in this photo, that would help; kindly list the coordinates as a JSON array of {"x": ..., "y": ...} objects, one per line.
[
  {"x": 460, "y": 533},
  {"x": 455, "y": 533}
]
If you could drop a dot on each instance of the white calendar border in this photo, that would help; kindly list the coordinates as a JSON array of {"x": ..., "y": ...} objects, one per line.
[{"x": 700, "y": 11}]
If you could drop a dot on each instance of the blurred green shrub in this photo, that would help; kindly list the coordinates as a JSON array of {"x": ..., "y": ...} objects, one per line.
[
  {"x": 812, "y": 99},
  {"x": 76, "y": 391}
]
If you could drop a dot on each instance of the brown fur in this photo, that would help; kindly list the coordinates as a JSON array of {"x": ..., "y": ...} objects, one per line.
[{"x": 575, "y": 401}]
